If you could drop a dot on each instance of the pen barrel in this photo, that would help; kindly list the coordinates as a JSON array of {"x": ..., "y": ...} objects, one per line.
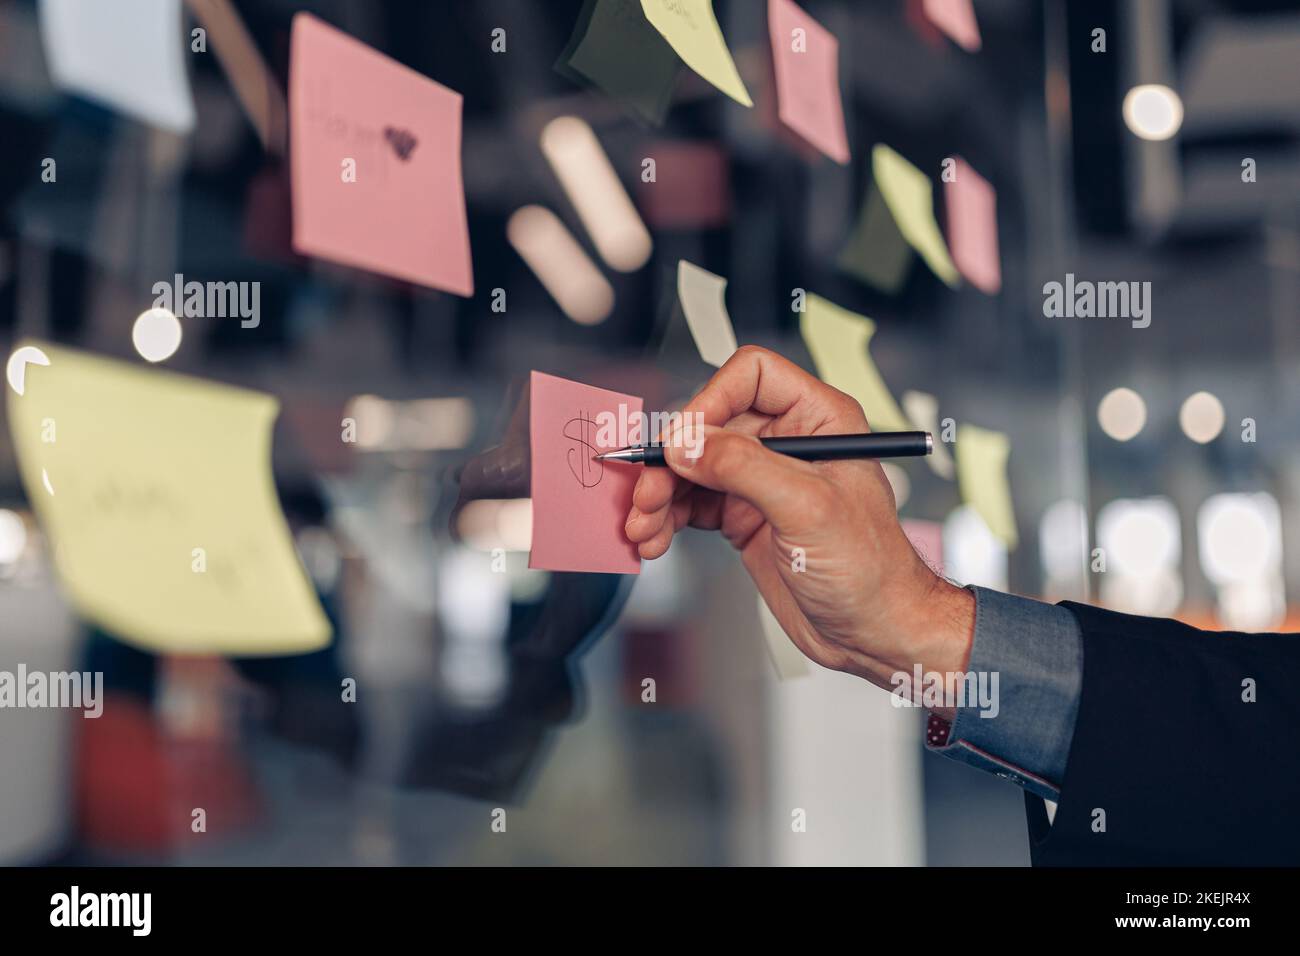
[{"x": 831, "y": 447}]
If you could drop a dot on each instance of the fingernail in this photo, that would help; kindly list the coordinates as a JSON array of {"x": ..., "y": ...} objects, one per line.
[{"x": 678, "y": 456}]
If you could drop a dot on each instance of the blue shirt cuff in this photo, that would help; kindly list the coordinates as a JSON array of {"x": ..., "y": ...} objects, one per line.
[{"x": 1029, "y": 657}]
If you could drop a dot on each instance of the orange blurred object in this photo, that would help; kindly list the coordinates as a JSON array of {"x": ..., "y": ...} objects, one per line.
[{"x": 137, "y": 788}]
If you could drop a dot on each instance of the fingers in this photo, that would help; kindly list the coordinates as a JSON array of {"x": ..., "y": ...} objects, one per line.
[
  {"x": 755, "y": 392},
  {"x": 501, "y": 472},
  {"x": 658, "y": 543},
  {"x": 746, "y": 394},
  {"x": 762, "y": 381},
  {"x": 699, "y": 508},
  {"x": 654, "y": 490},
  {"x": 778, "y": 486}
]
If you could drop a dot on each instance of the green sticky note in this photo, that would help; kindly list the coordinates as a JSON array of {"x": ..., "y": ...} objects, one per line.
[{"x": 615, "y": 49}]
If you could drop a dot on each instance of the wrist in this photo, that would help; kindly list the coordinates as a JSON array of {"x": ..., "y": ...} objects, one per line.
[{"x": 935, "y": 630}]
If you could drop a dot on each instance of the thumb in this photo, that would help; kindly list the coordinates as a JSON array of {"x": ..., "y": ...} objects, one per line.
[{"x": 778, "y": 486}]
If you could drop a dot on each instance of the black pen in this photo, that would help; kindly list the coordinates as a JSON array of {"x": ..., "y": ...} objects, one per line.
[{"x": 808, "y": 447}]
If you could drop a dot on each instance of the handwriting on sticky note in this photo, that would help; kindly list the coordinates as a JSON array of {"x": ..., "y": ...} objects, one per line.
[
  {"x": 703, "y": 298},
  {"x": 579, "y": 505},
  {"x": 910, "y": 199},
  {"x": 403, "y": 141},
  {"x": 375, "y": 161},
  {"x": 157, "y": 492},
  {"x": 982, "y": 478},
  {"x": 838, "y": 341},
  {"x": 580, "y": 454},
  {"x": 806, "y": 57},
  {"x": 692, "y": 30},
  {"x": 972, "y": 207}
]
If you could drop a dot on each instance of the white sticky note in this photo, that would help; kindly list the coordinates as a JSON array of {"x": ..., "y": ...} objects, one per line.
[
  {"x": 703, "y": 298},
  {"x": 126, "y": 54},
  {"x": 786, "y": 658},
  {"x": 923, "y": 410}
]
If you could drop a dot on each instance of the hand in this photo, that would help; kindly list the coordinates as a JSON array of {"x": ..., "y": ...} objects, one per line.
[{"x": 865, "y": 602}]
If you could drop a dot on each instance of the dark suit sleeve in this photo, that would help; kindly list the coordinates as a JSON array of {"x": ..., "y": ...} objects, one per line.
[{"x": 1183, "y": 750}]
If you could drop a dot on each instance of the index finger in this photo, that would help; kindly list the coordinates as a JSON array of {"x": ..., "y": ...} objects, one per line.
[
  {"x": 758, "y": 379},
  {"x": 755, "y": 379}
]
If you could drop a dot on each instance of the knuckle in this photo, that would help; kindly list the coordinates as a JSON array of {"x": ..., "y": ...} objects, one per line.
[
  {"x": 728, "y": 453},
  {"x": 849, "y": 406}
]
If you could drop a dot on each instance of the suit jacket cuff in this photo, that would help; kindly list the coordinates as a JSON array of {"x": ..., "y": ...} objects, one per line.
[{"x": 1027, "y": 657}]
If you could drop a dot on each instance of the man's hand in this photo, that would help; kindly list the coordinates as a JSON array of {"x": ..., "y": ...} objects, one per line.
[{"x": 865, "y": 602}]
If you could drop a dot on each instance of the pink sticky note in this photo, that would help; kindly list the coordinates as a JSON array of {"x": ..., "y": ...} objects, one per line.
[
  {"x": 927, "y": 539},
  {"x": 807, "y": 57},
  {"x": 972, "y": 206},
  {"x": 375, "y": 156},
  {"x": 957, "y": 19},
  {"x": 580, "y": 506}
]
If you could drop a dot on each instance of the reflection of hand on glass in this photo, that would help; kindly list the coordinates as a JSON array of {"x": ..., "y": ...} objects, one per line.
[
  {"x": 501, "y": 471},
  {"x": 490, "y": 754}
]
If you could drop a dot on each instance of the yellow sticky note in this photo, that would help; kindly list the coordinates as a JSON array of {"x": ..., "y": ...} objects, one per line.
[
  {"x": 907, "y": 193},
  {"x": 982, "y": 477},
  {"x": 838, "y": 340},
  {"x": 156, "y": 491},
  {"x": 692, "y": 30}
]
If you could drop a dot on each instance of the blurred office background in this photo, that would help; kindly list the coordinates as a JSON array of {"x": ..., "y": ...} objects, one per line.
[{"x": 524, "y": 691}]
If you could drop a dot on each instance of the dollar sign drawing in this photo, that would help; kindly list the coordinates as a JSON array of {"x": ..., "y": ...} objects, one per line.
[{"x": 585, "y": 469}]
